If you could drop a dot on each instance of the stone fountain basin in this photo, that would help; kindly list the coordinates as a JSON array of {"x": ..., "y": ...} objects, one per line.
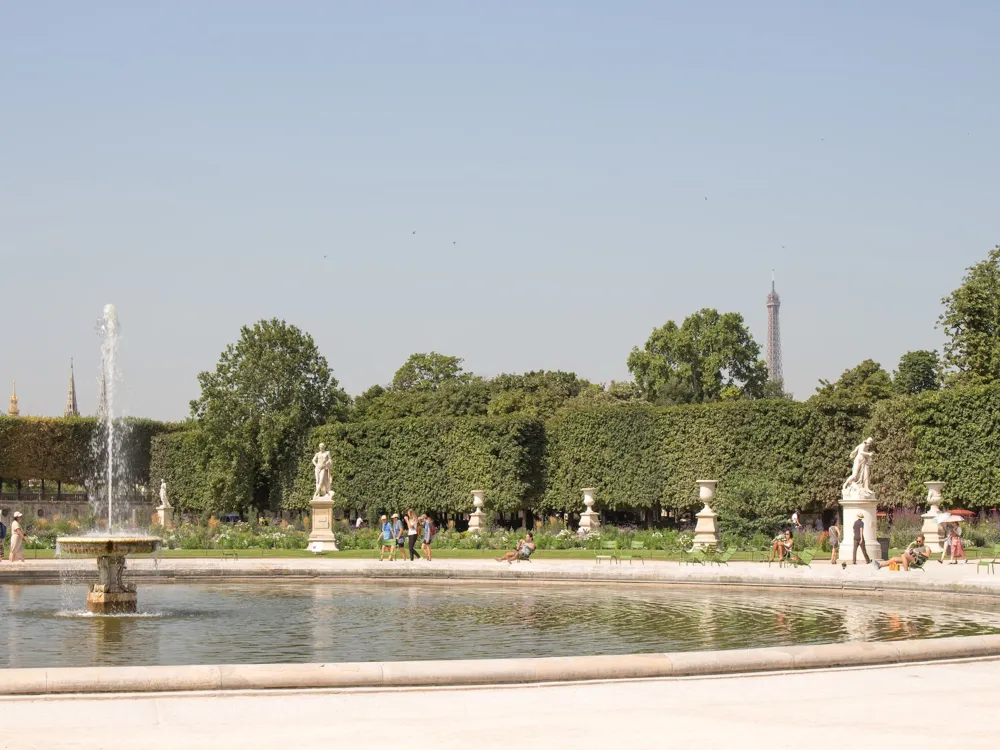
[{"x": 98, "y": 546}]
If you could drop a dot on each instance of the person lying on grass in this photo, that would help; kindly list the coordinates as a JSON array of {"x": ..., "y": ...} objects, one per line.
[
  {"x": 522, "y": 551},
  {"x": 916, "y": 554}
]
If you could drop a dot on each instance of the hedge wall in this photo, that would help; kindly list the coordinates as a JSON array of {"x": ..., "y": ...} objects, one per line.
[
  {"x": 181, "y": 458},
  {"x": 644, "y": 457},
  {"x": 430, "y": 464},
  {"x": 65, "y": 449},
  {"x": 949, "y": 436}
]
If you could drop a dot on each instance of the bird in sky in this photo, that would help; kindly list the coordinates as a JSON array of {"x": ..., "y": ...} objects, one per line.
[{"x": 414, "y": 231}]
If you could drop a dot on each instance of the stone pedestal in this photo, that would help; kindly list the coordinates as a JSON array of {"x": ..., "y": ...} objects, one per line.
[
  {"x": 589, "y": 519},
  {"x": 477, "y": 519},
  {"x": 930, "y": 529},
  {"x": 853, "y": 501},
  {"x": 706, "y": 531},
  {"x": 110, "y": 595},
  {"x": 163, "y": 516},
  {"x": 321, "y": 538}
]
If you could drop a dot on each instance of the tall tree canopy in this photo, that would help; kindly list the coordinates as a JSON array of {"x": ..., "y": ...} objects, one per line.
[
  {"x": 917, "y": 372},
  {"x": 708, "y": 357},
  {"x": 971, "y": 322},
  {"x": 428, "y": 372},
  {"x": 267, "y": 392},
  {"x": 864, "y": 382}
]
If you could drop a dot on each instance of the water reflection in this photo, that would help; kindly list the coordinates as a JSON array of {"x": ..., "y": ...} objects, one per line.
[{"x": 304, "y": 622}]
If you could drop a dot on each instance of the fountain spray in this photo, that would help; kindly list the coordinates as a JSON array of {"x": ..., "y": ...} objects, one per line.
[{"x": 109, "y": 367}]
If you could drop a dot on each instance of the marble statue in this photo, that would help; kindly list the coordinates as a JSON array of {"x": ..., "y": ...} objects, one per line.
[
  {"x": 163, "y": 494},
  {"x": 323, "y": 465},
  {"x": 860, "y": 478}
]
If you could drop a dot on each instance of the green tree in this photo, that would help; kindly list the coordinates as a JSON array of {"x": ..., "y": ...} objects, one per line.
[
  {"x": 707, "y": 355},
  {"x": 971, "y": 321},
  {"x": 535, "y": 394},
  {"x": 257, "y": 408},
  {"x": 428, "y": 372},
  {"x": 917, "y": 372},
  {"x": 864, "y": 382}
]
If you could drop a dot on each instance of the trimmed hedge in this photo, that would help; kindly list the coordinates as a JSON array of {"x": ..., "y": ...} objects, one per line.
[
  {"x": 645, "y": 457},
  {"x": 66, "y": 449},
  {"x": 430, "y": 464},
  {"x": 950, "y": 436},
  {"x": 181, "y": 458}
]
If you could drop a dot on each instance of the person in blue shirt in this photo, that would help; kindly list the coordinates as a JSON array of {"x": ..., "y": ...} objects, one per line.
[
  {"x": 397, "y": 537},
  {"x": 387, "y": 540},
  {"x": 428, "y": 536}
]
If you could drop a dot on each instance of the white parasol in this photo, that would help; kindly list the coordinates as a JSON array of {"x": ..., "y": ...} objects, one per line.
[{"x": 947, "y": 518}]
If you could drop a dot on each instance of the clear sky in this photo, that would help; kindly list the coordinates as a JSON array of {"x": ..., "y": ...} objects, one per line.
[{"x": 206, "y": 164}]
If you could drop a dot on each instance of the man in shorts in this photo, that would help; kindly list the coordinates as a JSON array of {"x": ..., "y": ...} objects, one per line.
[{"x": 916, "y": 555}]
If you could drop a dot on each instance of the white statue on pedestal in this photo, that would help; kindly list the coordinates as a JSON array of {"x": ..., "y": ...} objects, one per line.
[
  {"x": 860, "y": 480},
  {"x": 322, "y": 465},
  {"x": 163, "y": 494}
]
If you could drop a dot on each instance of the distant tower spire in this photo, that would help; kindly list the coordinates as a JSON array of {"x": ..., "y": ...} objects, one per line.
[
  {"x": 14, "y": 411},
  {"x": 774, "y": 336},
  {"x": 71, "y": 409}
]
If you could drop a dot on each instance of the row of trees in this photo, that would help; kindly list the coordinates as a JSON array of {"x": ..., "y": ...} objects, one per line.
[{"x": 273, "y": 387}]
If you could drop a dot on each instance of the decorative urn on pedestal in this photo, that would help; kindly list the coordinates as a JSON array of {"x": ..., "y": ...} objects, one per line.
[{"x": 706, "y": 531}]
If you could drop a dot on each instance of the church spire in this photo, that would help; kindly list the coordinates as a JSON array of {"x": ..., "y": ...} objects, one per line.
[
  {"x": 14, "y": 411},
  {"x": 72, "y": 410}
]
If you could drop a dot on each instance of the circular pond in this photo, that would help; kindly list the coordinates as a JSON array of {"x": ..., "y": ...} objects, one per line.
[{"x": 46, "y": 626}]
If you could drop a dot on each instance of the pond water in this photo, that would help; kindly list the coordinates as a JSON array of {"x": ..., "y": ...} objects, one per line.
[{"x": 329, "y": 622}]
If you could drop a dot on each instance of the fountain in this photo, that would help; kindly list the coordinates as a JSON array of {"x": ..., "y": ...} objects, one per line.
[{"x": 110, "y": 595}]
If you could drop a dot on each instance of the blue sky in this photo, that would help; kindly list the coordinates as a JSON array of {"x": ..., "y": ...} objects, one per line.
[{"x": 205, "y": 165}]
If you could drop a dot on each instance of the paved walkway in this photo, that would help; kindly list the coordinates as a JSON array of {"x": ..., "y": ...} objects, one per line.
[{"x": 890, "y": 707}]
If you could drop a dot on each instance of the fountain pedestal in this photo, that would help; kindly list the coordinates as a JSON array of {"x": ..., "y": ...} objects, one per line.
[{"x": 110, "y": 595}]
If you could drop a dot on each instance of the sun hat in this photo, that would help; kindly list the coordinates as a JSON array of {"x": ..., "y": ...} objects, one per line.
[
  {"x": 17, "y": 514},
  {"x": 382, "y": 518},
  {"x": 861, "y": 515},
  {"x": 395, "y": 515}
]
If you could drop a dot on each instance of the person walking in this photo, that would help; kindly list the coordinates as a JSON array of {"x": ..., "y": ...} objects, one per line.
[
  {"x": 17, "y": 539},
  {"x": 859, "y": 540},
  {"x": 386, "y": 541},
  {"x": 398, "y": 537},
  {"x": 428, "y": 536},
  {"x": 411, "y": 533},
  {"x": 834, "y": 532},
  {"x": 3, "y": 536}
]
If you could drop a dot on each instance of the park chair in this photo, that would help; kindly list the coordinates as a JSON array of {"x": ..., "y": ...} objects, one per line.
[
  {"x": 794, "y": 559},
  {"x": 527, "y": 557},
  {"x": 636, "y": 550},
  {"x": 609, "y": 552},
  {"x": 694, "y": 557},
  {"x": 990, "y": 563},
  {"x": 230, "y": 553},
  {"x": 724, "y": 558}
]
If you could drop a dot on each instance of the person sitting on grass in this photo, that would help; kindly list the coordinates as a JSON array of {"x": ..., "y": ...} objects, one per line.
[
  {"x": 782, "y": 546},
  {"x": 522, "y": 551},
  {"x": 916, "y": 554}
]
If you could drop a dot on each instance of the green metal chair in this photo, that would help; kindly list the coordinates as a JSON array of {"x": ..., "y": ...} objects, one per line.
[
  {"x": 609, "y": 552},
  {"x": 636, "y": 550},
  {"x": 990, "y": 563},
  {"x": 794, "y": 559},
  {"x": 694, "y": 557}
]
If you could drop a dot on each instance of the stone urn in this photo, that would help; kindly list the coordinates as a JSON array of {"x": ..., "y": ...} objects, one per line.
[
  {"x": 706, "y": 531},
  {"x": 930, "y": 529},
  {"x": 477, "y": 519},
  {"x": 589, "y": 519}
]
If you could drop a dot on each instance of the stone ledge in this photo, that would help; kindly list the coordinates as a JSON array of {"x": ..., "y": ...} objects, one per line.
[{"x": 485, "y": 671}]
